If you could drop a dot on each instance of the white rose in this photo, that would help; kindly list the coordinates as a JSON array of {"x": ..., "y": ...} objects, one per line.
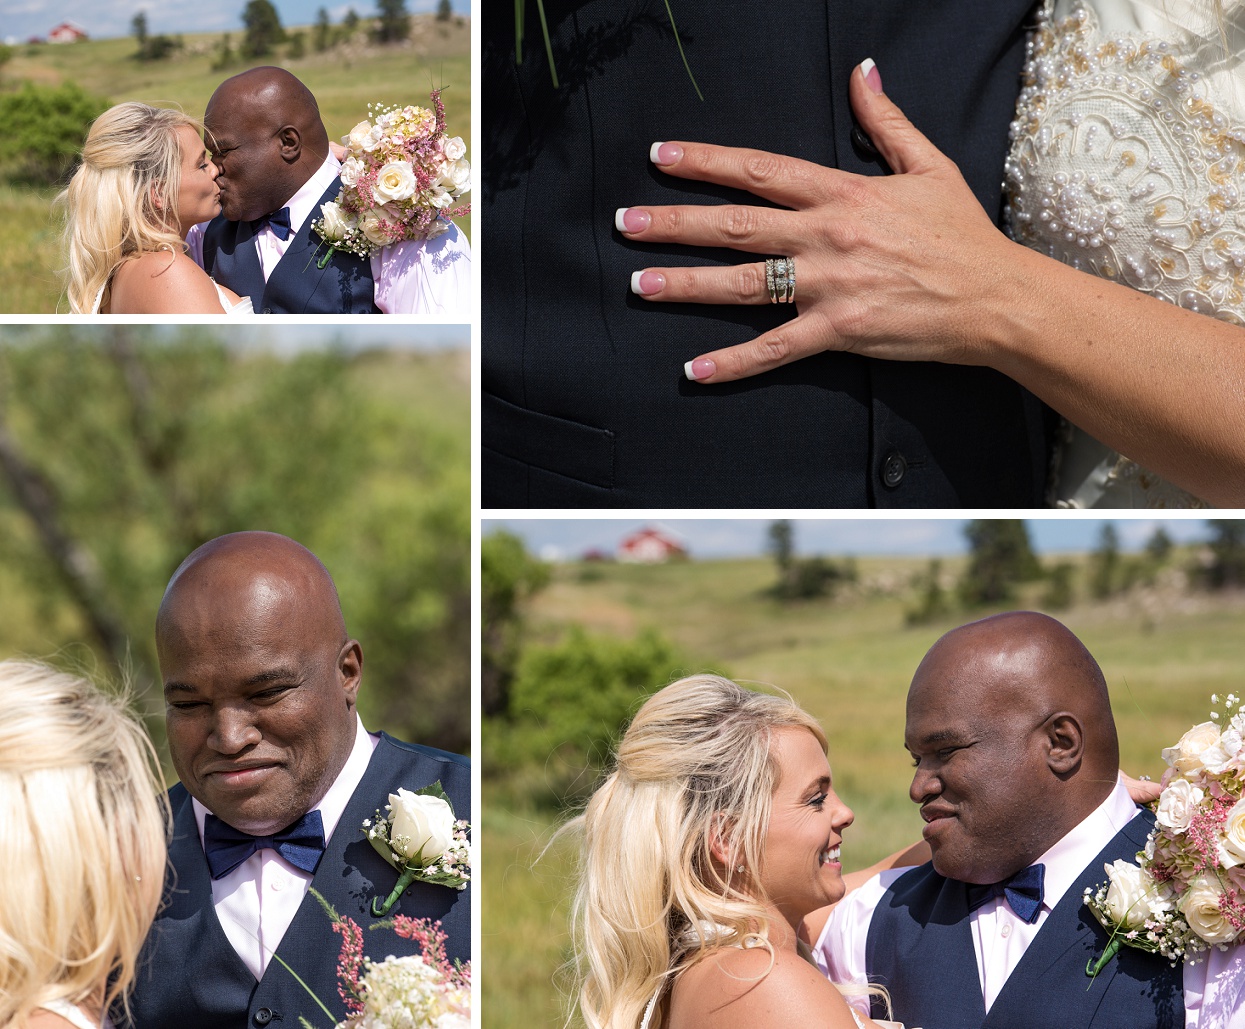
[
  {"x": 395, "y": 181},
  {"x": 364, "y": 136},
  {"x": 420, "y": 825},
  {"x": 336, "y": 221},
  {"x": 1186, "y": 756},
  {"x": 351, "y": 170},
  {"x": 1225, "y": 754},
  {"x": 373, "y": 225},
  {"x": 1232, "y": 845},
  {"x": 439, "y": 197},
  {"x": 1178, "y": 804},
  {"x": 1200, "y": 907},
  {"x": 454, "y": 149},
  {"x": 456, "y": 177},
  {"x": 1133, "y": 895}
]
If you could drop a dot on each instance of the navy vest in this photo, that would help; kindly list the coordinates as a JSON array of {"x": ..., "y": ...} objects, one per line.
[
  {"x": 190, "y": 976},
  {"x": 297, "y": 284},
  {"x": 920, "y": 948}
]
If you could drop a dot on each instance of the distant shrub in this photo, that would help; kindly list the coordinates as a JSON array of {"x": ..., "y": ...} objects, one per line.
[{"x": 42, "y": 129}]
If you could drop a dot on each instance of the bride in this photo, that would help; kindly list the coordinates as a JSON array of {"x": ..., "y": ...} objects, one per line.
[
  {"x": 717, "y": 832},
  {"x": 83, "y": 849},
  {"x": 145, "y": 179},
  {"x": 1128, "y": 163}
]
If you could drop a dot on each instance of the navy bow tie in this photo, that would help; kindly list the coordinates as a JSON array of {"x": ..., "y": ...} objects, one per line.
[
  {"x": 301, "y": 844},
  {"x": 278, "y": 221},
  {"x": 1023, "y": 892}
]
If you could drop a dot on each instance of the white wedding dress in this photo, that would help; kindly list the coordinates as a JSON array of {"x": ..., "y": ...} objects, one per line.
[
  {"x": 1128, "y": 161},
  {"x": 71, "y": 1013},
  {"x": 242, "y": 307}
]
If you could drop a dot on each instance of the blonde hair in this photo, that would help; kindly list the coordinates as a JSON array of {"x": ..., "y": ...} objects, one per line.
[
  {"x": 83, "y": 844},
  {"x": 119, "y": 202},
  {"x": 694, "y": 765}
]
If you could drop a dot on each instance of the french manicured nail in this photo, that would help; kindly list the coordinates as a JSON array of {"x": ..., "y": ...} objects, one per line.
[
  {"x": 665, "y": 153},
  {"x": 645, "y": 284},
  {"x": 699, "y": 369},
  {"x": 632, "y": 219},
  {"x": 873, "y": 78}
]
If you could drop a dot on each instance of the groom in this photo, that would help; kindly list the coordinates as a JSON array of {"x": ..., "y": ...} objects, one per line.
[
  {"x": 584, "y": 401},
  {"x": 1010, "y": 727},
  {"x": 275, "y": 170},
  {"x": 277, "y": 776}
]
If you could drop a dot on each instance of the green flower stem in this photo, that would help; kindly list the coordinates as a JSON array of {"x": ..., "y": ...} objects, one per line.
[
  {"x": 1113, "y": 946},
  {"x": 404, "y": 880},
  {"x": 544, "y": 27},
  {"x": 688, "y": 67},
  {"x": 299, "y": 980}
]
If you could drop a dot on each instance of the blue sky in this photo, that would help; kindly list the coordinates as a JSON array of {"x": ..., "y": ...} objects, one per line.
[
  {"x": 558, "y": 539},
  {"x": 21, "y": 19}
]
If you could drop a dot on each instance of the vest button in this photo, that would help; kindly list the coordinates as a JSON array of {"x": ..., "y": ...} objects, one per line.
[
  {"x": 894, "y": 468},
  {"x": 267, "y": 310},
  {"x": 262, "y": 1017}
]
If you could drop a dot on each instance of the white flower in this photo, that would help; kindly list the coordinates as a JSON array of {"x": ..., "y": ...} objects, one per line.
[
  {"x": 456, "y": 176},
  {"x": 1232, "y": 842},
  {"x": 373, "y": 225},
  {"x": 1133, "y": 895},
  {"x": 1226, "y": 754},
  {"x": 352, "y": 168},
  {"x": 422, "y": 826},
  {"x": 364, "y": 136},
  {"x": 1186, "y": 756},
  {"x": 454, "y": 149},
  {"x": 336, "y": 221},
  {"x": 1200, "y": 907},
  {"x": 439, "y": 197},
  {"x": 1178, "y": 804},
  {"x": 395, "y": 181}
]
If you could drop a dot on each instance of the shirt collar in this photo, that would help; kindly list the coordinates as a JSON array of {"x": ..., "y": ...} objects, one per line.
[
  {"x": 307, "y": 199},
  {"x": 333, "y": 804},
  {"x": 1068, "y": 858}
]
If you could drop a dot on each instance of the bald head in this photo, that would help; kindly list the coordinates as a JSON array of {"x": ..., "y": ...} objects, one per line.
[
  {"x": 267, "y": 139},
  {"x": 260, "y": 679},
  {"x": 1010, "y": 722}
]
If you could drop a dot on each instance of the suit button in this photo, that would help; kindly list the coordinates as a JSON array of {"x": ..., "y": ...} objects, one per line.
[
  {"x": 267, "y": 310},
  {"x": 863, "y": 144},
  {"x": 262, "y": 1017},
  {"x": 894, "y": 468}
]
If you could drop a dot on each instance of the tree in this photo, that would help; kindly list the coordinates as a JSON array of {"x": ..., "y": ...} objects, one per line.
[
  {"x": 322, "y": 34},
  {"x": 1227, "y": 547},
  {"x": 1159, "y": 546},
  {"x": 1059, "y": 594},
  {"x": 393, "y": 24},
  {"x": 224, "y": 56},
  {"x": 509, "y": 577},
  {"x": 1001, "y": 557},
  {"x": 297, "y": 47},
  {"x": 1105, "y": 564},
  {"x": 350, "y": 22},
  {"x": 932, "y": 600},
  {"x": 263, "y": 29},
  {"x": 781, "y": 545},
  {"x": 42, "y": 129},
  {"x": 445, "y": 10},
  {"x": 138, "y": 27}
]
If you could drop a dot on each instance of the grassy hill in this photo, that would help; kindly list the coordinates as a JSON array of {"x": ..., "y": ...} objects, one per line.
[
  {"x": 344, "y": 80},
  {"x": 848, "y": 661}
]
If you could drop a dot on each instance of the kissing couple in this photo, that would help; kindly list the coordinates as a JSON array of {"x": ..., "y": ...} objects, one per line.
[
  {"x": 712, "y": 891},
  {"x": 167, "y": 215}
]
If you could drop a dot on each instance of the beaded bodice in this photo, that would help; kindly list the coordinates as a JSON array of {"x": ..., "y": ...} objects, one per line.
[{"x": 1126, "y": 162}]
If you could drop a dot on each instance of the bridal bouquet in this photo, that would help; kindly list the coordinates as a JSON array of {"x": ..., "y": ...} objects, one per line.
[
  {"x": 418, "y": 991},
  {"x": 1186, "y": 893},
  {"x": 400, "y": 180}
]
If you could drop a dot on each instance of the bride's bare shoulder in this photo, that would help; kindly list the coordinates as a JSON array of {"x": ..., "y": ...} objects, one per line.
[
  {"x": 743, "y": 989},
  {"x": 162, "y": 282}
]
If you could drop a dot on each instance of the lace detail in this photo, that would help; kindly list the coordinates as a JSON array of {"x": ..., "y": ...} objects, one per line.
[{"x": 1123, "y": 164}]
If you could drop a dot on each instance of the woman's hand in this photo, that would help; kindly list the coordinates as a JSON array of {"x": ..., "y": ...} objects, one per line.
[
  {"x": 895, "y": 266},
  {"x": 1143, "y": 791}
]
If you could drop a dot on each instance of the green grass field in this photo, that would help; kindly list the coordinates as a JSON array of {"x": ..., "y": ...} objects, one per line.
[
  {"x": 344, "y": 81},
  {"x": 849, "y": 662}
]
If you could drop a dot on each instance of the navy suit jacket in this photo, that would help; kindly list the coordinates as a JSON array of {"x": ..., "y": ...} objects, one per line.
[
  {"x": 584, "y": 399},
  {"x": 920, "y": 948},
  {"x": 297, "y": 284},
  {"x": 189, "y": 975}
]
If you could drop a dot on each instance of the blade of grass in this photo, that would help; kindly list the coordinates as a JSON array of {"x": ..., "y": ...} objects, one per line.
[{"x": 679, "y": 43}]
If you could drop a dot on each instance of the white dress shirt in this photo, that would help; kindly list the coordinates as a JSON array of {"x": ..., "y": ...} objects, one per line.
[
  {"x": 257, "y": 901},
  {"x": 1214, "y": 988},
  {"x": 429, "y": 277}
]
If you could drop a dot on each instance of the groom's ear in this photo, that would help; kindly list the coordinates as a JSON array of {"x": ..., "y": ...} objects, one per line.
[
  {"x": 290, "y": 141},
  {"x": 1065, "y": 741}
]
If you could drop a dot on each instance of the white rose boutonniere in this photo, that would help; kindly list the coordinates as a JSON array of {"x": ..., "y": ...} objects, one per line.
[{"x": 422, "y": 839}]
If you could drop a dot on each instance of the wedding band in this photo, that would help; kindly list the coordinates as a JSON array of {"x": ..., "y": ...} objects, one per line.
[{"x": 780, "y": 279}]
